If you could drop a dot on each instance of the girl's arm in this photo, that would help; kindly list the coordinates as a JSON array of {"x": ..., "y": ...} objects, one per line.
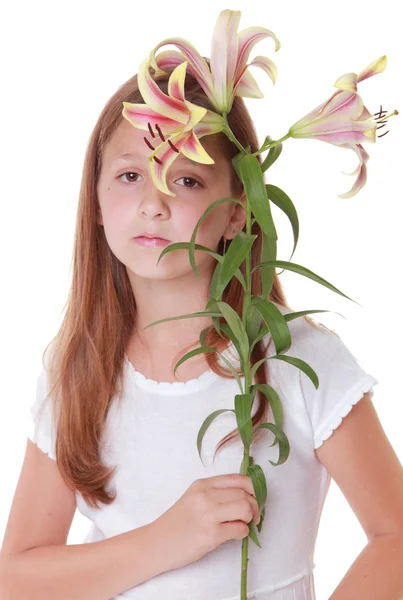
[{"x": 92, "y": 571}]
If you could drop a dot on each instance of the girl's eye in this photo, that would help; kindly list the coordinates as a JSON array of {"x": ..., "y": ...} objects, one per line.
[
  {"x": 185, "y": 177},
  {"x": 127, "y": 173},
  {"x": 192, "y": 179}
]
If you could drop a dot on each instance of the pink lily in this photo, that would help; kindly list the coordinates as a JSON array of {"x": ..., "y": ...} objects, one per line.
[
  {"x": 227, "y": 75},
  {"x": 182, "y": 122},
  {"x": 344, "y": 121}
]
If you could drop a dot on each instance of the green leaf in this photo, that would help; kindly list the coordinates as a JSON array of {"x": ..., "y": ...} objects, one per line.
[
  {"x": 280, "y": 199},
  {"x": 192, "y": 243},
  {"x": 252, "y": 179},
  {"x": 301, "y": 364},
  {"x": 275, "y": 321},
  {"x": 258, "y": 478},
  {"x": 269, "y": 253},
  {"x": 236, "y": 325},
  {"x": 189, "y": 316},
  {"x": 281, "y": 439},
  {"x": 218, "y": 257},
  {"x": 274, "y": 401},
  {"x": 243, "y": 404},
  {"x": 253, "y": 324},
  {"x": 205, "y": 425},
  {"x": 192, "y": 353},
  {"x": 306, "y": 272},
  {"x": 257, "y": 365},
  {"x": 273, "y": 154},
  {"x": 233, "y": 259}
]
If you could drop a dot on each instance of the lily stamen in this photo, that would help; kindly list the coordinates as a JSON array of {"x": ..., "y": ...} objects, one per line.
[
  {"x": 157, "y": 160},
  {"x": 148, "y": 143},
  {"x": 173, "y": 147},
  {"x": 150, "y": 129},
  {"x": 159, "y": 132}
]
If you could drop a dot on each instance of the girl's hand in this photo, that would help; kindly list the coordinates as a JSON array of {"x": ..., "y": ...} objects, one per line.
[{"x": 210, "y": 512}]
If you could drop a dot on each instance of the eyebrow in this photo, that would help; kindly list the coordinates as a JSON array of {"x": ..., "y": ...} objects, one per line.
[{"x": 131, "y": 155}]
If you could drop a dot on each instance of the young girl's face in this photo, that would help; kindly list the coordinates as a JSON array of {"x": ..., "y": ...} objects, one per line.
[{"x": 131, "y": 204}]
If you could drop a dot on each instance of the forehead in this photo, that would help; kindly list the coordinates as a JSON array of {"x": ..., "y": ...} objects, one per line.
[{"x": 127, "y": 143}]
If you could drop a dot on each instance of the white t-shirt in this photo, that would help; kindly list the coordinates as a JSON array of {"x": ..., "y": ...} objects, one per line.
[{"x": 151, "y": 435}]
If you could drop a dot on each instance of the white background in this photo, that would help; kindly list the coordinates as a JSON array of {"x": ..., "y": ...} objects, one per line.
[{"x": 60, "y": 64}]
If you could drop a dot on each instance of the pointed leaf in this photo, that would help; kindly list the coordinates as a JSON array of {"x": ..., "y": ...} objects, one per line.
[
  {"x": 189, "y": 316},
  {"x": 307, "y": 273},
  {"x": 243, "y": 404},
  {"x": 301, "y": 364},
  {"x": 205, "y": 426},
  {"x": 236, "y": 325},
  {"x": 275, "y": 321},
  {"x": 251, "y": 176},
  {"x": 192, "y": 353},
  {"x": 281, "y": 439},
  {"x": 274, "y": 401},
  {"x": 233, "y": 259},
  {"x": 280, "y": 199},
  {"x": 269, "y": 253},
  {"x": 273, "y": 154}
]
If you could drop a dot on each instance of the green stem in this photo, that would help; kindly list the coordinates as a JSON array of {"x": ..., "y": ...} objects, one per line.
[
  {"x": 248, "y": 382},
  {"x": 228, "y": 132},
  {"x": 271, "y": 145}
]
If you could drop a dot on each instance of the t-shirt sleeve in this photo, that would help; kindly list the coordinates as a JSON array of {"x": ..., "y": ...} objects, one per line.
[
  {"x": 42, "y": 430},
  {"x": 342, "y": 383}
]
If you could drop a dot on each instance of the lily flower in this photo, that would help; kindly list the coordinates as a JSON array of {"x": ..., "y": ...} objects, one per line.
[
  {"x": 344, "y": 121},
  {"x": 178, "y": 122},
  {"x": 227, "y": 75}
]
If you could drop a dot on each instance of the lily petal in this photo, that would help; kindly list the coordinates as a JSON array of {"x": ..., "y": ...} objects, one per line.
[
  {"x": 140, "y": 115},
  {"x": 176, "y": 82},
  {"x": 224, "y": 54},
  {"x": 193, "y": 149},
  {"x": 362, "y": 168},
  {"x": 247, "y": 39},
  {"x": 198, "y": 66},
  {"x": 156, "y": 99},
  {"x": 210, "y": 124},
  {"x": 377, "y": 66},
  {"x": 167, "y": 155},
  {"x": 247, "y": 86}
]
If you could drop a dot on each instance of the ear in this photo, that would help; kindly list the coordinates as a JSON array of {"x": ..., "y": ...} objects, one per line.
[
  {"x": 99, "y": 217},
  {"x": 238, "y": 218}
]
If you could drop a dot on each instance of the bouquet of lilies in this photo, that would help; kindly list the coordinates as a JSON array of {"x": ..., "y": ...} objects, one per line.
[{"x": 342, "y": 120}]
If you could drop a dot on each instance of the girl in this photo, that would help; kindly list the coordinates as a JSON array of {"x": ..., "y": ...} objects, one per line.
[{"x": 114, "y": 430}]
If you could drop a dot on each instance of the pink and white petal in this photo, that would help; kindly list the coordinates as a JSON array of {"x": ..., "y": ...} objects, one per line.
[
  {"x": 361, "y": 153},
  {"x": 176, "y": 82},
  {"x": 347, "y": 83},
  {"x": 247, "y": 39},
  {"x": 268, "y": 66},
  {"x": 190, "y": 54},
  {"x": 361, "y": 170},
  {"x": 224, "y": 54},
  {"x": 342, "y": 135},
  {"x": 167, "y": 60},
  {"x": 377, "y": 66},
  {"x": 156, "y": 99},
  {"x": 139, "y": 115},
  {"x": 247, "y": 86},
  {"x": 193, "y": 149}
]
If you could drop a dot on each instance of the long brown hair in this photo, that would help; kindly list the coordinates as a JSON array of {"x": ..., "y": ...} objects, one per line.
[{"x": 85, "y": 367}]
